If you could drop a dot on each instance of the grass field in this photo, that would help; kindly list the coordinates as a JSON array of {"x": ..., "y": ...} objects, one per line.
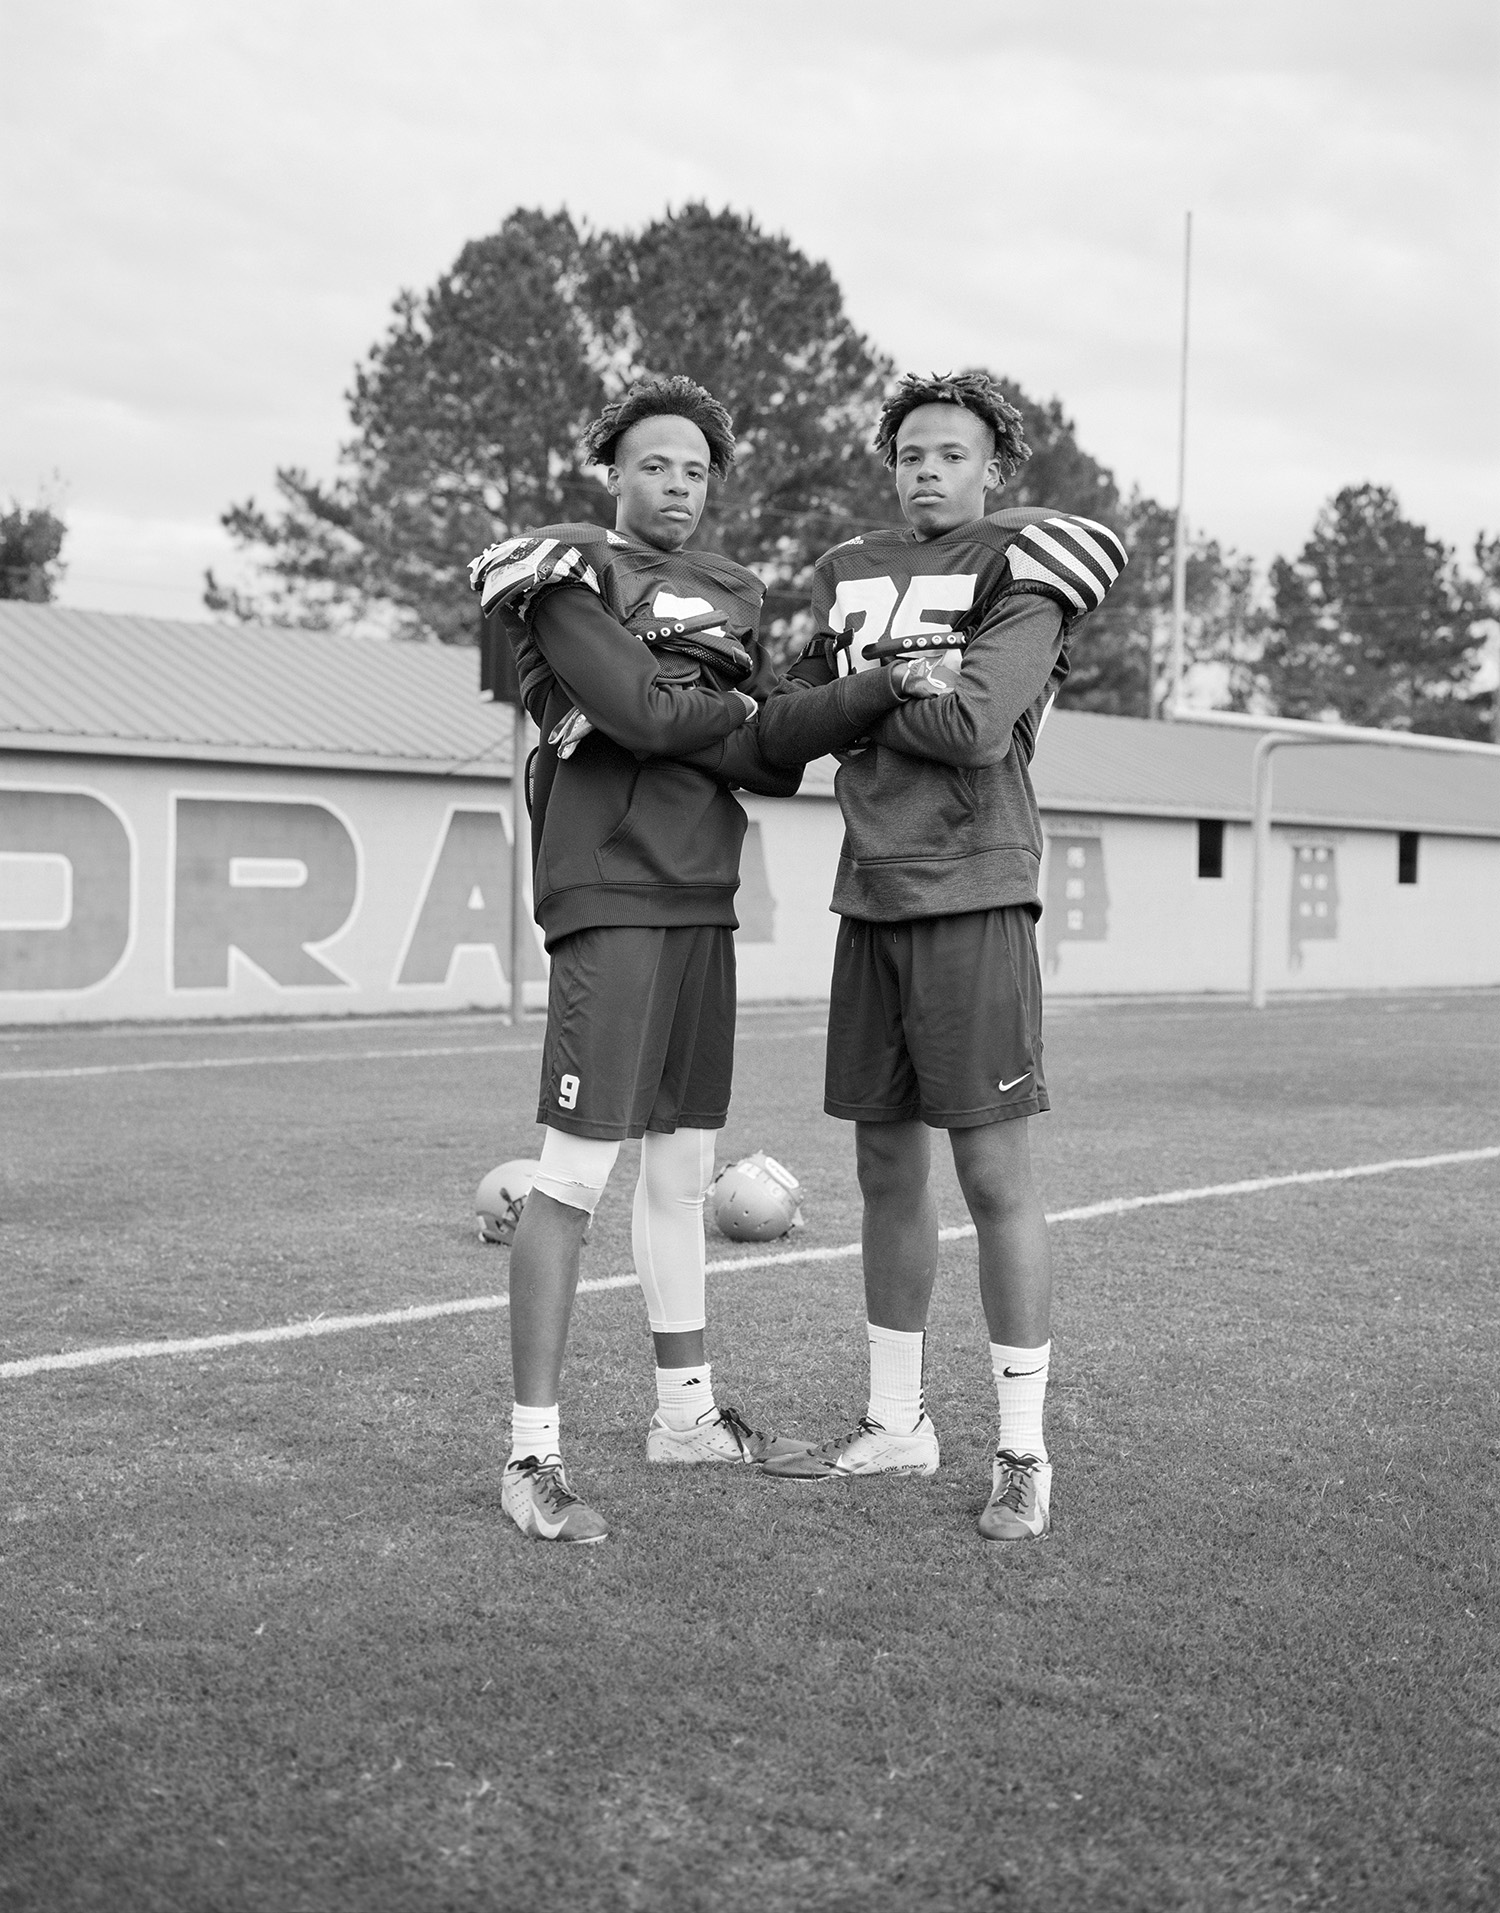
[{"x": 269, "y": 1644}]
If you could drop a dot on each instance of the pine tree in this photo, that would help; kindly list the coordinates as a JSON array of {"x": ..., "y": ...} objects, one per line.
[{"x": 1372, "y": 624}]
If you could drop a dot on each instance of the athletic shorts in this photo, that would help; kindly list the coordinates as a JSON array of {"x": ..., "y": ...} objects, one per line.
[
  {"x": 640, "y": 1031},
  {"x": 937, "y": 1019}
]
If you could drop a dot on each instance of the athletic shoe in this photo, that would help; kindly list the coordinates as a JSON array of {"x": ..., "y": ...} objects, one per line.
[
  {"x": 722, "y": 1434},
  {"x": 1020, "y": 1498},
  {"x": 536, "y": 1496},
  {"x": 868, "y": 1450}
]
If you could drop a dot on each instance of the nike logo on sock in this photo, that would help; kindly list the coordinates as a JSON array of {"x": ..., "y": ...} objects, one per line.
[
  {"x": 1014, "y": 1080},
  {"x": 1020, "y": 1374}
]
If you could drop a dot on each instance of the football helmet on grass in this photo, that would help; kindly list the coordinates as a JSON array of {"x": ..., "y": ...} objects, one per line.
[{"x": 502, "y": 1196}]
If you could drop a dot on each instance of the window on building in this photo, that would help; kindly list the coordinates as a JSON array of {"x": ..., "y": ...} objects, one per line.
[
  {"x": 1210, "y": 846},
  {"x": 1406, "y": 856}
]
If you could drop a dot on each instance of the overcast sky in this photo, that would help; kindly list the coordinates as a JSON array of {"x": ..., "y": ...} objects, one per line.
[{"x": 209, "y": 208}]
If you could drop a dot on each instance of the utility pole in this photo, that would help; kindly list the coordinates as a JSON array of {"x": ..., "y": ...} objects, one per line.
[{"x": 1179, "y": 542}]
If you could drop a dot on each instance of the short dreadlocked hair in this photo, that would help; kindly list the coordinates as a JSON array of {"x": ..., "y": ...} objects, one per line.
[
  {"x": 976, "y": 393},
  {"x": 663, "y": 398}
]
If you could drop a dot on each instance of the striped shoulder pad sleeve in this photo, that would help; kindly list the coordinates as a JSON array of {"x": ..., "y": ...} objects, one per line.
[
  {"x": 512, "y": 573},
  {"x": 1073, "y": 561}
]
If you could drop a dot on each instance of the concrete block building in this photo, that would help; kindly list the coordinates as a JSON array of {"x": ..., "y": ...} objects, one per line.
[{"x": 218, "y": 821}]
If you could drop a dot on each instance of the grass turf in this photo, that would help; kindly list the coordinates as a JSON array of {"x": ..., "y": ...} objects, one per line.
[{"x": 270, "y": 1643}]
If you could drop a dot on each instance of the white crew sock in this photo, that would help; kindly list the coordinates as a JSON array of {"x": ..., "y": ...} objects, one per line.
[
  {"x": 684, "y": 1395},
  {"x": 896, "y": 1377},
  {"x": 1021, "y": 1386},
  {"x": 534, "y": 1431}
]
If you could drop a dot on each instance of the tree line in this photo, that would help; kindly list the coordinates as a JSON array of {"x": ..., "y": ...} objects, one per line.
[{"x": 465, "y": 424}]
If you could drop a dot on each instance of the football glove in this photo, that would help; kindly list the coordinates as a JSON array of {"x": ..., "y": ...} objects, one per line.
[
  {"x": 501, "y": 1197},
  {"x": 927, "y": 677},
  {"x": 567, "y": 736},
  {"x": 755, "y": 1199}
]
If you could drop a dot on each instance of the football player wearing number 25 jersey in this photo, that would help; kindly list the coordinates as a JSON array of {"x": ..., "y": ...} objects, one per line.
[{"x": 935, "y": 1011}]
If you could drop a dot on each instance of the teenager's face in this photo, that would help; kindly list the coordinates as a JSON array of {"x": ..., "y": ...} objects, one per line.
[
  {"x": 945, "y": 463},
  {"x": 660, "y": 482}
]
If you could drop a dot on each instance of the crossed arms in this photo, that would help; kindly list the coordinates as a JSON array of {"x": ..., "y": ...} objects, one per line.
[
  {"x": 1006, "y": 668},
  {"x": 620, "y": 686}
]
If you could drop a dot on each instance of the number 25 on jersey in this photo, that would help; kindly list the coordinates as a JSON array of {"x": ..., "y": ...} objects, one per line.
[{"x": 867, "y": 609}]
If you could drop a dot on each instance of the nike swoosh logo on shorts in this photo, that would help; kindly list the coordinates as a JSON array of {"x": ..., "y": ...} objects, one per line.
[{"x": 1014, "y": 1080}]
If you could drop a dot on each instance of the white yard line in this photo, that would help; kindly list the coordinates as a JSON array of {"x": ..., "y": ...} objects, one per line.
[
  {"x": 173, "y": 1063},
  {"x": 480, "y": 1304}
]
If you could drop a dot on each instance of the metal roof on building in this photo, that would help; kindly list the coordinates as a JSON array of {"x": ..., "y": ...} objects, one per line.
[
  {"x": 95, "y": 683},
  {"x": 1125, "y": 765},
  {"x": 1122, "y": 766}
]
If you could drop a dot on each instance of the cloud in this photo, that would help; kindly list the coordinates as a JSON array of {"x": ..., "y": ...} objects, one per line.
[{"x": 212, "y": 209}]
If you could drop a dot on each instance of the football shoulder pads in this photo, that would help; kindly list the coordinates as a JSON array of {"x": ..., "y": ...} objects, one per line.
[
  {"x": 1071, "y": 560},
  {"x": 501, "y": 1197},
  {"x": 512, "y": 573},
  {"x": 755, "y": 1199}
]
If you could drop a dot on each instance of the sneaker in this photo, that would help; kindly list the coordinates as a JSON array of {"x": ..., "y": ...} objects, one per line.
[
  {"x": 1020, "y": 1499},
  {"x": 536, "y": 1496},
  {"x": 722, "y": 1434},
  {"x": 869, "y": 1450}
]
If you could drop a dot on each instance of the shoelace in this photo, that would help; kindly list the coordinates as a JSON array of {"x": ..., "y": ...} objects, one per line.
[
  {"x": 831, "y": 1450},
  {"x": 549, "y": 1482},
  {"x": 1019, "y": 1470},
  {"x": 735, "y": 1422}
]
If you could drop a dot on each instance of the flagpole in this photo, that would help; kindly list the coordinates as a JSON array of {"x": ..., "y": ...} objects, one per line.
[{"x": 1179, "y": 542}]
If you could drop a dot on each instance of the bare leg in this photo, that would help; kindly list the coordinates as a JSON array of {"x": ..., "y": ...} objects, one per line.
[
  {"x": 1015, "y": 1261},
  {"x": 543, "y": 1279},
  {"x": 900, "y": 1222}
]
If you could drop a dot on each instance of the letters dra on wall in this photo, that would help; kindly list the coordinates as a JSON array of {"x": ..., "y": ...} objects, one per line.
[{"x": 257, "y": 885}]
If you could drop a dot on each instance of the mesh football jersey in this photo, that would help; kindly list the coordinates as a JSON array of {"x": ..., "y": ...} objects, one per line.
[
  {"x": 696, "y": 603},
  {"x": 888, "y": 594}
]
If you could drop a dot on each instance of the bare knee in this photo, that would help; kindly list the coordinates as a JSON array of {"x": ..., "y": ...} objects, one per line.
[
  {"x": 892, "y": 1161},
  {"x": 994, "y": 1172}
]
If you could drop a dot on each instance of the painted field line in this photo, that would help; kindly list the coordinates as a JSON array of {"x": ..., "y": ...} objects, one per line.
[
  {"x": 481, "y": 1304},
  {"x": 174, "y": 1063},
  {"x": 282, "y": 1332},
  {"x": 1252, "y": 1186}
]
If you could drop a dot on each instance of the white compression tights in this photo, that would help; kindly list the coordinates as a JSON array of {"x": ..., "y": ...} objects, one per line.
[{"x": 667, "y": 1227}]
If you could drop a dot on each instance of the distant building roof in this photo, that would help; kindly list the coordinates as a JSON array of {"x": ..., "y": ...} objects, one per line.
[
  {"x": 96, "y": 683},
  {"x": 1123, "y": 766}
]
